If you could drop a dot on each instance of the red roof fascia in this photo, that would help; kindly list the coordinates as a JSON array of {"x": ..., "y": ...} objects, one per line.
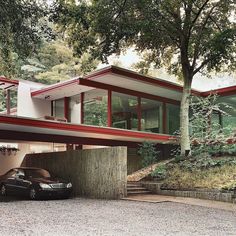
[
  {"x": 85, "y": 128},
  {"x": 222, "y": 91},
  {"x": 56, "y": 86},
  {"x": 9, "y": 81}
]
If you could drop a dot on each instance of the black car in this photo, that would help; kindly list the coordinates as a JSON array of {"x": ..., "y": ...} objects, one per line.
[{"x": 34, "y": 183}]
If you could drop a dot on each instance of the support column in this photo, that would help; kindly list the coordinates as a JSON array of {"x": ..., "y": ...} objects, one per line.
[
  {"x": 8, "y": 101},
  {"x": 109, "y": 109},
  {"x": 164, "y": 118},
  {"x": 66, "y": 108},
  {"x": 139, "y": 113},
  {"x": 82, "y": 108}
]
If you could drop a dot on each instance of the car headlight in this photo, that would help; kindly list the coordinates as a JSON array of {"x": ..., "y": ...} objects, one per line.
[
  {"x": 69, "y": 185},
  {"x": 44, "y": 186}
]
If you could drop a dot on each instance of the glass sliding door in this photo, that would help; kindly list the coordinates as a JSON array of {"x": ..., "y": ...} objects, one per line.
[
  {"x": 151, "y": 116},
  {"x": 95, "y": 107},
  {"x": 124, "y": 111}
]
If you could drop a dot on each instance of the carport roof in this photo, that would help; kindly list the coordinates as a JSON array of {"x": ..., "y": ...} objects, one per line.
[{"x": 19, "y": 128}]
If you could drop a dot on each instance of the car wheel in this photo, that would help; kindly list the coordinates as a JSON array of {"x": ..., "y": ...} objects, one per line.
[
  {"x": 3, "y": 190},
  {"x": 33, "y": 194}
]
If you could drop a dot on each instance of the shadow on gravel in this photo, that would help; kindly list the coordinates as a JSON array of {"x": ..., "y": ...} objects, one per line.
[
  {"x": 12, "y": 199},
  {"x": 20, "y": 198}
]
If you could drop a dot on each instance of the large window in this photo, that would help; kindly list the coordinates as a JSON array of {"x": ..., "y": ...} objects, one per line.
[
  {"x": 173, "y": 118},
  {"x": 58, "y": 108},
  {"x": 229, "y": 121},
  {"x": 95, "y": 107},
  {"x": 124, "y": 111},
  {"x": 151, "y": 116}
]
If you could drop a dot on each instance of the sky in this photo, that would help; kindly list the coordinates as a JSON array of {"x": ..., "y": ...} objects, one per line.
[{"x": 200, "y": 82}]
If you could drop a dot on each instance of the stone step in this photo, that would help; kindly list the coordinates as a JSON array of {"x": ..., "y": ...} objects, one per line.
[
  {"x": 135, "y": 189},
  {"x": 139, "y": 192}
]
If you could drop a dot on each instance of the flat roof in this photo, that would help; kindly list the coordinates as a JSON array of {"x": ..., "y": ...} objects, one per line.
[{"x": 130, "y": 80}]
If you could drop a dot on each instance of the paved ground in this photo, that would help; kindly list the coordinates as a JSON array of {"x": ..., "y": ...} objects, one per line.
[
  {"x": 97, "y": 217},
  {"x": 154, "y": 198}
]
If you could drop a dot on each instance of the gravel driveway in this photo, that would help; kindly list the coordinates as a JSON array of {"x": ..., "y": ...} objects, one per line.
[{"x": 97, "y": 217}]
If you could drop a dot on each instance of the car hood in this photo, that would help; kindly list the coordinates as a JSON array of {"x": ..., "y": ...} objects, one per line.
[{"x": 48, "y": 180}]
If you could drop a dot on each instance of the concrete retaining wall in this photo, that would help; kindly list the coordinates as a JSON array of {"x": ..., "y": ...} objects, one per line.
[
  {"x": 216, "y": 195},
  {"x": 95, "y": 173}
]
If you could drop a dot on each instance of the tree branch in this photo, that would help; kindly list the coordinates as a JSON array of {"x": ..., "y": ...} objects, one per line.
[
  {"x": 121, "y": 8},
  {"x": 204, "y": 63},
  {"x": 196, "y": 49},
  {"x": 198, "y": 14}
]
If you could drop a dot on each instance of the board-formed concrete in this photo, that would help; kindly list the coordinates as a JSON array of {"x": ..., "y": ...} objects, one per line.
[{"x": 95, "y": 173}]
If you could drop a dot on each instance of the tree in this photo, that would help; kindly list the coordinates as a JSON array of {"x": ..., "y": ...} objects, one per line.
[
  {"x": 21, "y": 28},
  {"x": 186, "y": 36},
  {"x": 54, "y": 61}
]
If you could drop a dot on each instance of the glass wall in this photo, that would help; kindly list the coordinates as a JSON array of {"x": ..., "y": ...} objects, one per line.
[
  {"x": 124, "y": 111},
  {"x": 229, "y": 121},
  {"x": 58, "y": 108},
  {"x": 95, "y": 107},
  {"x": 151, "y": 116},
  {"x": 173, "y": 118}
]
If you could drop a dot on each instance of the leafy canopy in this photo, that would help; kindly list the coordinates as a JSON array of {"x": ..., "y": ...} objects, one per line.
[
  {"x": 187, "y": 36},
  {"x": 21, "y": 28}
]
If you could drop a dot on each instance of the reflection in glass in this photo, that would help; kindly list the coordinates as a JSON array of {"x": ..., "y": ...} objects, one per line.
[
  {"x": 151, "y": 116},
  {"x": 124, "y": 111},
  {"x": 173, "y": 118},
  {"x": 95, "y": 107}
]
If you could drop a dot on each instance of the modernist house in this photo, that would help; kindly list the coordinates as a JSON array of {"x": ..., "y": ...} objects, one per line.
[{"x": 110, "y": 107}]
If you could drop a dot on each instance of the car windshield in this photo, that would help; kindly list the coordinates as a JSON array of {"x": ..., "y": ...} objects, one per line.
[{"x": 37, "y": 173}]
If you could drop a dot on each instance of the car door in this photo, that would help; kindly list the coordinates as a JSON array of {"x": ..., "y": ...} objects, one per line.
[
  {"x": 9, "y": 181},
  {"x": 21, "y": 183}
]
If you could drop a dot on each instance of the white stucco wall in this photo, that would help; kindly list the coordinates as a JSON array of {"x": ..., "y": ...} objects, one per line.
[
  {"x": 75, "y": 113},
  {"x": 12, "y": 161},
  {"x": 28, "y": 106}
]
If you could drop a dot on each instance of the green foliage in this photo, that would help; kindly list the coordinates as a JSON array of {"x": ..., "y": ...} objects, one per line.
[
  {"x": 55, "y": 62},
  {"x": 148, "y": 152},
  {"x": 96, "y": 113},
  {"x": 208, "y": 135},
  {"x": 219, "y": 177},
  {"x": 21, "y": 30},
  {"x": 160, "y": 172}
]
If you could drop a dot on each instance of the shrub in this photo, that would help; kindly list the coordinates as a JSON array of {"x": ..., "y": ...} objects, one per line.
[
  {"x": 148, "y": 152},
  {"x": 160, "y": 172}
]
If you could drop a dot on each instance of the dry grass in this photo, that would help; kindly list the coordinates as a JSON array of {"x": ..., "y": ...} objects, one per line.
[{"x": 214, "y": 178}]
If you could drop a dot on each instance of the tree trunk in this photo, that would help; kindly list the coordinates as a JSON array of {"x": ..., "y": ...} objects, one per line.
[{"x": 184, "y": 120}]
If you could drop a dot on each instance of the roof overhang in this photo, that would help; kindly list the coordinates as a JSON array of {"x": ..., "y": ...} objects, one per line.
[
  {"x": 61, "y": 90},
  {"x": 72, "y": 133},
  {"x": 7, "y": 83},
  {"x": 113, "y": 77},
  {"x": 222, "y": 91},
  {"x": 122, "y": 80}
]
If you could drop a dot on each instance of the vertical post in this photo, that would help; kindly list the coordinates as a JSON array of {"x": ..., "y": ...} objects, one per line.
[
  {"x": 8, "y": 101},
  {"x": 66, "y": 108},
  {"x": 82, "y": 108},
  {"x": 164, "y": 118},
  {"x": 139, "y": 113},
  {"x": 109, "y": 109},
  {"x": 52, "y": 110}
]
